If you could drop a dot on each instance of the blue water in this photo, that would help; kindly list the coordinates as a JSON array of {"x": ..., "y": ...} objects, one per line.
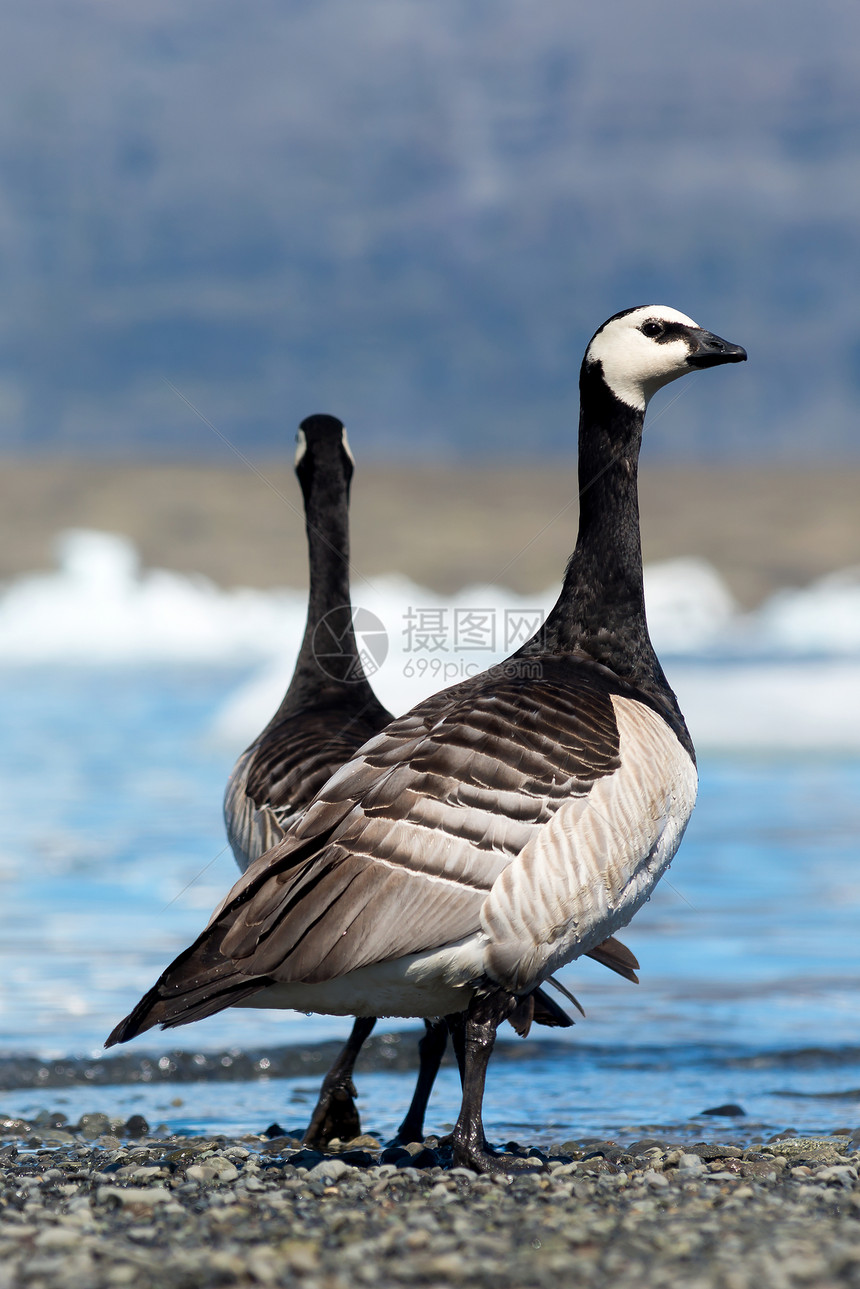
[{"x": 112, "y": 855}]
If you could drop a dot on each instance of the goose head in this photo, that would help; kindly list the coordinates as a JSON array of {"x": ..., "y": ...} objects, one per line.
[
  {"x": 642, "y": 349},
  {"x": 323, "y": 452}
]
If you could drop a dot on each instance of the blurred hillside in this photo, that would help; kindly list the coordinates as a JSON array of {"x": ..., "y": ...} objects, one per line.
[
  {"x": 443, "y": 528},
  {"x": 416, "y": 215}
]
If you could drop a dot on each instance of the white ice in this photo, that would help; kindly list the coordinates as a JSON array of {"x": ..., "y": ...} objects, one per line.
[{"x": 786, "y": 676}]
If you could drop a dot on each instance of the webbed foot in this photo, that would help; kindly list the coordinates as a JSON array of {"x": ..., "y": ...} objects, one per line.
[
  {"x": 486, "y": 1160},
  {"x": 335, "y": 1115}
]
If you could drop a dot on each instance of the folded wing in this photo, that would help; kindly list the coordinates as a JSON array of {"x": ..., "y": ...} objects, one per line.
[{"x": 403, "y": 846}]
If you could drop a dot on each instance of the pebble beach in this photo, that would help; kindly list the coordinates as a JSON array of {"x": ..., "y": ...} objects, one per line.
[{"x": 103, "y": 1202}]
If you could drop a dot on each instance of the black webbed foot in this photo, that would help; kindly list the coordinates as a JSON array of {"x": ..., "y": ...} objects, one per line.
[
  {"x": 487, "y": 1160},
  {"x": 335, "y": 1115}
]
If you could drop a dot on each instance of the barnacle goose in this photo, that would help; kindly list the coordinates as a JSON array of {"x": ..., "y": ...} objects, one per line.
[
  {"x": 328, "y": 712},
  {"x": 506, "y": 825}
]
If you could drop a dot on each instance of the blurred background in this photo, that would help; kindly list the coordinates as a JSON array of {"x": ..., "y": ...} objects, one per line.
[{"x": 216, "y": 219}]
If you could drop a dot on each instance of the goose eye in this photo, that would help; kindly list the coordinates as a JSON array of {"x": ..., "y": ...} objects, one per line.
[{"x": 651, "y": 329}]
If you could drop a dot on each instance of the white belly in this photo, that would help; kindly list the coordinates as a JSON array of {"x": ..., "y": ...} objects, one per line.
[{"x": 436, "y": 983}]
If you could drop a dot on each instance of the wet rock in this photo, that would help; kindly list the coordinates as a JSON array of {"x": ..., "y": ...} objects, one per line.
[
  {"x": 49, "y": 1119},
  {"x": 425, "y": 1158},
  {"x": 133, "y": 1196},
  {"x": 306, "y": 1158},
  {"x": 709, "y": 1152},
  {"x": 796, "y": 1148},
  {"x": 364, "y": 1142},
  {"x": 329, "y": 1170},
  {"x": 135, "y": 1126},
  {"x": 358, "y": 1158},
  {"x": 395, "y": 1155},
  {"x": 214, "y": 1169},
  {"x": 277, "y": 1145},
  {"x": 758, "y": 1168},
  {"x": 727, "y": 1111},
  {"x": 93, "y": 1126}
]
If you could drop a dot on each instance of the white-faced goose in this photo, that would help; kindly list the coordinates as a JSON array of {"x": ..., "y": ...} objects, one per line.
[
  {"x": 328, "y": 712},
  {"x": 502, "y": 827}
]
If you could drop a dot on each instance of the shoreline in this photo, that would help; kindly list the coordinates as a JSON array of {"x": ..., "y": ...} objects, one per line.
[
  {"x": 762, "y": 528},
  {"x": 112, "y": 1203}
]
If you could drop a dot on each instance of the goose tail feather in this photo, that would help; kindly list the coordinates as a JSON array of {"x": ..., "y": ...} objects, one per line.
[{"x": 188, "y": 990}]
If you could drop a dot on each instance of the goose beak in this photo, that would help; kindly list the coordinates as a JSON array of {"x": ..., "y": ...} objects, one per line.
[{"x": 708, "y": 350}]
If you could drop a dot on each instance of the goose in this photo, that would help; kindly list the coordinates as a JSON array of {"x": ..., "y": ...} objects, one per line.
[
  {"x": 506, "y": 825},
  {"x": 327, "y": 713}
]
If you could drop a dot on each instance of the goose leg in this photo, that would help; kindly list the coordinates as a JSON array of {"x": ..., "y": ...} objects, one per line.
[
  {"x": 483, "y": 1017},
  {"x": 457, "y": 1030},
  {"x": 431, "y": 1049},
  {"x": 335, "y": 1114}
]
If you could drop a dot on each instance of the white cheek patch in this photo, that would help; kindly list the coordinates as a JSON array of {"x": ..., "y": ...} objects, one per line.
[
  {"x": 634, "y": 365},
  {"x": 347, "y": 449},
  {"x": 301, "y": 448}
]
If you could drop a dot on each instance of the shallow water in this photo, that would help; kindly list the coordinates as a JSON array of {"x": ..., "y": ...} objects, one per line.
[
  {"x": 112, "y": 855},
  {"x": 572, "y": 1092}
]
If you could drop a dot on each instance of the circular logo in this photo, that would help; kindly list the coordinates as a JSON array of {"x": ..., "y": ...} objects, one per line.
[{"x": 350, "y": 644}]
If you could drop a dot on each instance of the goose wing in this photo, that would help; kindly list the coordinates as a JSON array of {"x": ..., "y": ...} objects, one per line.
[
  {"x": 401, "y": 849},
  {"x": 281, "y": 773}
]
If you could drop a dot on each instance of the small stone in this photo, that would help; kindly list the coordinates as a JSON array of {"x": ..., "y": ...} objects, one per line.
[
  {"x": 299, "y": 1255},
  {"x": 806, "y": 1147},
  {"x": 358, "y": 1158},
  {"x": 425, "y": 1158},
  {"x": 55, "y": 1137},
  {"x": 58, "y": 1237},
  {"x": 92, "y": 1126},
  {"x": 395, "y": 1155},
  {"x": 306, "y": 1158},
  {"x": 690, "y": 1164},
  {"x": 758, "y": 1168},
  {"x": 329, "y": 1170},
  {"x": 842, "y": 1173},
  {"x": 133, "y": 1196},
  {"x": 657, "y": 1181},
  {"x": 276, "y": 1145},
  {"x": 135, "y": 1126},
  {"x": 709, "y": 1152},
  {"x": 216, "y": 1168}
]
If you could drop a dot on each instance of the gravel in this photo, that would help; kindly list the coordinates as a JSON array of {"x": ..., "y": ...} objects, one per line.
[{"x": 106, "y": 1202}]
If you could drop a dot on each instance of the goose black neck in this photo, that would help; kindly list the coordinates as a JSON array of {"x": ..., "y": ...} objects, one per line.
[
  {"x": 600, "y": 613},
  {"x": 328, "y": 666},
  {"x": 601, "y": 609}
]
